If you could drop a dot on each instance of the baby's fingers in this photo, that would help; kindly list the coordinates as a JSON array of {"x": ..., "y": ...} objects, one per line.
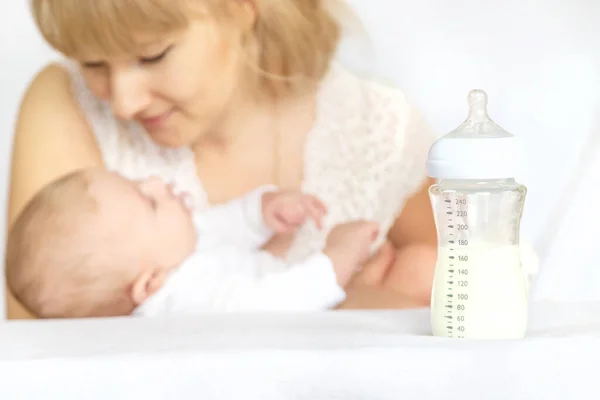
[
  {"x": 319, "y": 204},
  {"x": 316, "y": 209},
  {"x": 293, "y": 215},
  {"x": 278, "y": 223}
]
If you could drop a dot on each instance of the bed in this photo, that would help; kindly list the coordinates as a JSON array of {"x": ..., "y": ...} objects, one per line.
[{"x": 334, "y": 355}]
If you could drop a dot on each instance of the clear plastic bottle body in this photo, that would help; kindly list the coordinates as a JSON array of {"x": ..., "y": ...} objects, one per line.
[{"x": 479, "y": 289}]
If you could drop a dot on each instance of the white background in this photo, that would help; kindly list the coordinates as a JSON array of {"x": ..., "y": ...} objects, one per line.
[{"x": 539, "y": 61}]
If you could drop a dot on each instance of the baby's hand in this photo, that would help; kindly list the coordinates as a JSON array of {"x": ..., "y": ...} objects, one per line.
[
  {"x": 284, "y": 211},
  {"x": 348, "y": 246}
]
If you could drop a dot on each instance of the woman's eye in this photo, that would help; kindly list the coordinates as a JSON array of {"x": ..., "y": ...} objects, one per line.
[
  {"x": 93, "y": 65},
  {"x": 156, "y": 58}
]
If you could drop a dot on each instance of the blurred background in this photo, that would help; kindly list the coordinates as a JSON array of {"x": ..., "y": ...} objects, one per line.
[{"x": 539, "y": 62}]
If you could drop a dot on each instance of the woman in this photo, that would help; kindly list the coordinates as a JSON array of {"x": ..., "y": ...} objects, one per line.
[{"x": 221, "y": 96}]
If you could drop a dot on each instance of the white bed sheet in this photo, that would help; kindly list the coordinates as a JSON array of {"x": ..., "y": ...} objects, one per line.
[{"x": 336, "y": 355}]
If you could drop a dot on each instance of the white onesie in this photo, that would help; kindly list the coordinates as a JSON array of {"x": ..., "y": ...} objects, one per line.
[{"x": 228, "y": 272}]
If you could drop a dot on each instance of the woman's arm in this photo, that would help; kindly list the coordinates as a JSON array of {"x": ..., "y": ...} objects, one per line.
[
  {"x": 400, "y": 275},
  {"x": 414, "y": 236},
  {"x": 405, "y": 280},
  {"x": 51, "y": 139},
  {"x": 415, "y": 225}
]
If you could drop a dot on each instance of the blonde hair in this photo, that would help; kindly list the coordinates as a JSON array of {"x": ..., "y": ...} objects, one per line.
[
  {"x": 294, "y": 40},
  {"x": 54, "y": 260}
]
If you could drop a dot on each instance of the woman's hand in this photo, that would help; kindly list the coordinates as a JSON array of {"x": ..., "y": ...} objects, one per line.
[
  {"x": 393, "y": 279},
  {"x": 365, "y": 297},
  {"x": 413, "y": 271},
  {"x": 375, "y": 271}
]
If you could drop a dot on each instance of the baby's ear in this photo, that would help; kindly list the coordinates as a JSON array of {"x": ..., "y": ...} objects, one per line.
[{"x": 146, "y": 284}]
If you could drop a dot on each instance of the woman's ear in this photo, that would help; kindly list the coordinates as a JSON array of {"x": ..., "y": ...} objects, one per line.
[{"x": 146, "y": 284}]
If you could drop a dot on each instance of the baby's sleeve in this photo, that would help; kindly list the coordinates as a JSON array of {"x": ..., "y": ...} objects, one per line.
[
  {"x": 226, "y": 280},
  {"x": 239, "y": 222},
  {"x": 309, "y": 285}
]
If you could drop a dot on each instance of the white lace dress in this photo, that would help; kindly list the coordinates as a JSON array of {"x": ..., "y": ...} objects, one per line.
[{"x": 365, "y": 155}]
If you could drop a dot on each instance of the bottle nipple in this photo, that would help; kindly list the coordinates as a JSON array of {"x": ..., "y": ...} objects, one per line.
[
  {"x": 477, "y": 149},
  {"x": 478, "y": 106},
  {"x": 478, "y": 124}
]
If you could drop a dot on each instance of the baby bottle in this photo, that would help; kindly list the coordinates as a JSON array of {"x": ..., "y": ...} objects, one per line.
[{"x": 479, "y": 290}]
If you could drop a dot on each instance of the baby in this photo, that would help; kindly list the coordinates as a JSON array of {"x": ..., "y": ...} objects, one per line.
[{"x": 95, "y": 244}]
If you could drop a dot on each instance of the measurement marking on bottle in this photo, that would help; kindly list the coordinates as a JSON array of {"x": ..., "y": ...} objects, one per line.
[
  {"x": 448, "y": 201},
  {"x": 457, "y": 229}
]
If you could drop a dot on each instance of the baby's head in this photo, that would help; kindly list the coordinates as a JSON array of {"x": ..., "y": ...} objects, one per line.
[{"x": 94, "y": 244}]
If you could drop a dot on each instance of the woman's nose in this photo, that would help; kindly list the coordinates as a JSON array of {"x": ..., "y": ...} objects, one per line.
[{"x": 129, "y": 94}]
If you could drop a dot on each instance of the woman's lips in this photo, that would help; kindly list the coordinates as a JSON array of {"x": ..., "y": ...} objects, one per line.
[{"x": 155, "y": 122}]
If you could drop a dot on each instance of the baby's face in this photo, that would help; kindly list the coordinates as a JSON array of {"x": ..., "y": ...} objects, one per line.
[{"x": 148, "y": 216}]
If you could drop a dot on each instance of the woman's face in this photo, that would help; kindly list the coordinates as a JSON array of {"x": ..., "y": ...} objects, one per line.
[{"x": 178, "y": 86}]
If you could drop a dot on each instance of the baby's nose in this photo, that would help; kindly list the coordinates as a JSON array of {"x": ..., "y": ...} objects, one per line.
[
  {"x": 154, "y": 185},
  {"x": 170, "y": 189}
]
